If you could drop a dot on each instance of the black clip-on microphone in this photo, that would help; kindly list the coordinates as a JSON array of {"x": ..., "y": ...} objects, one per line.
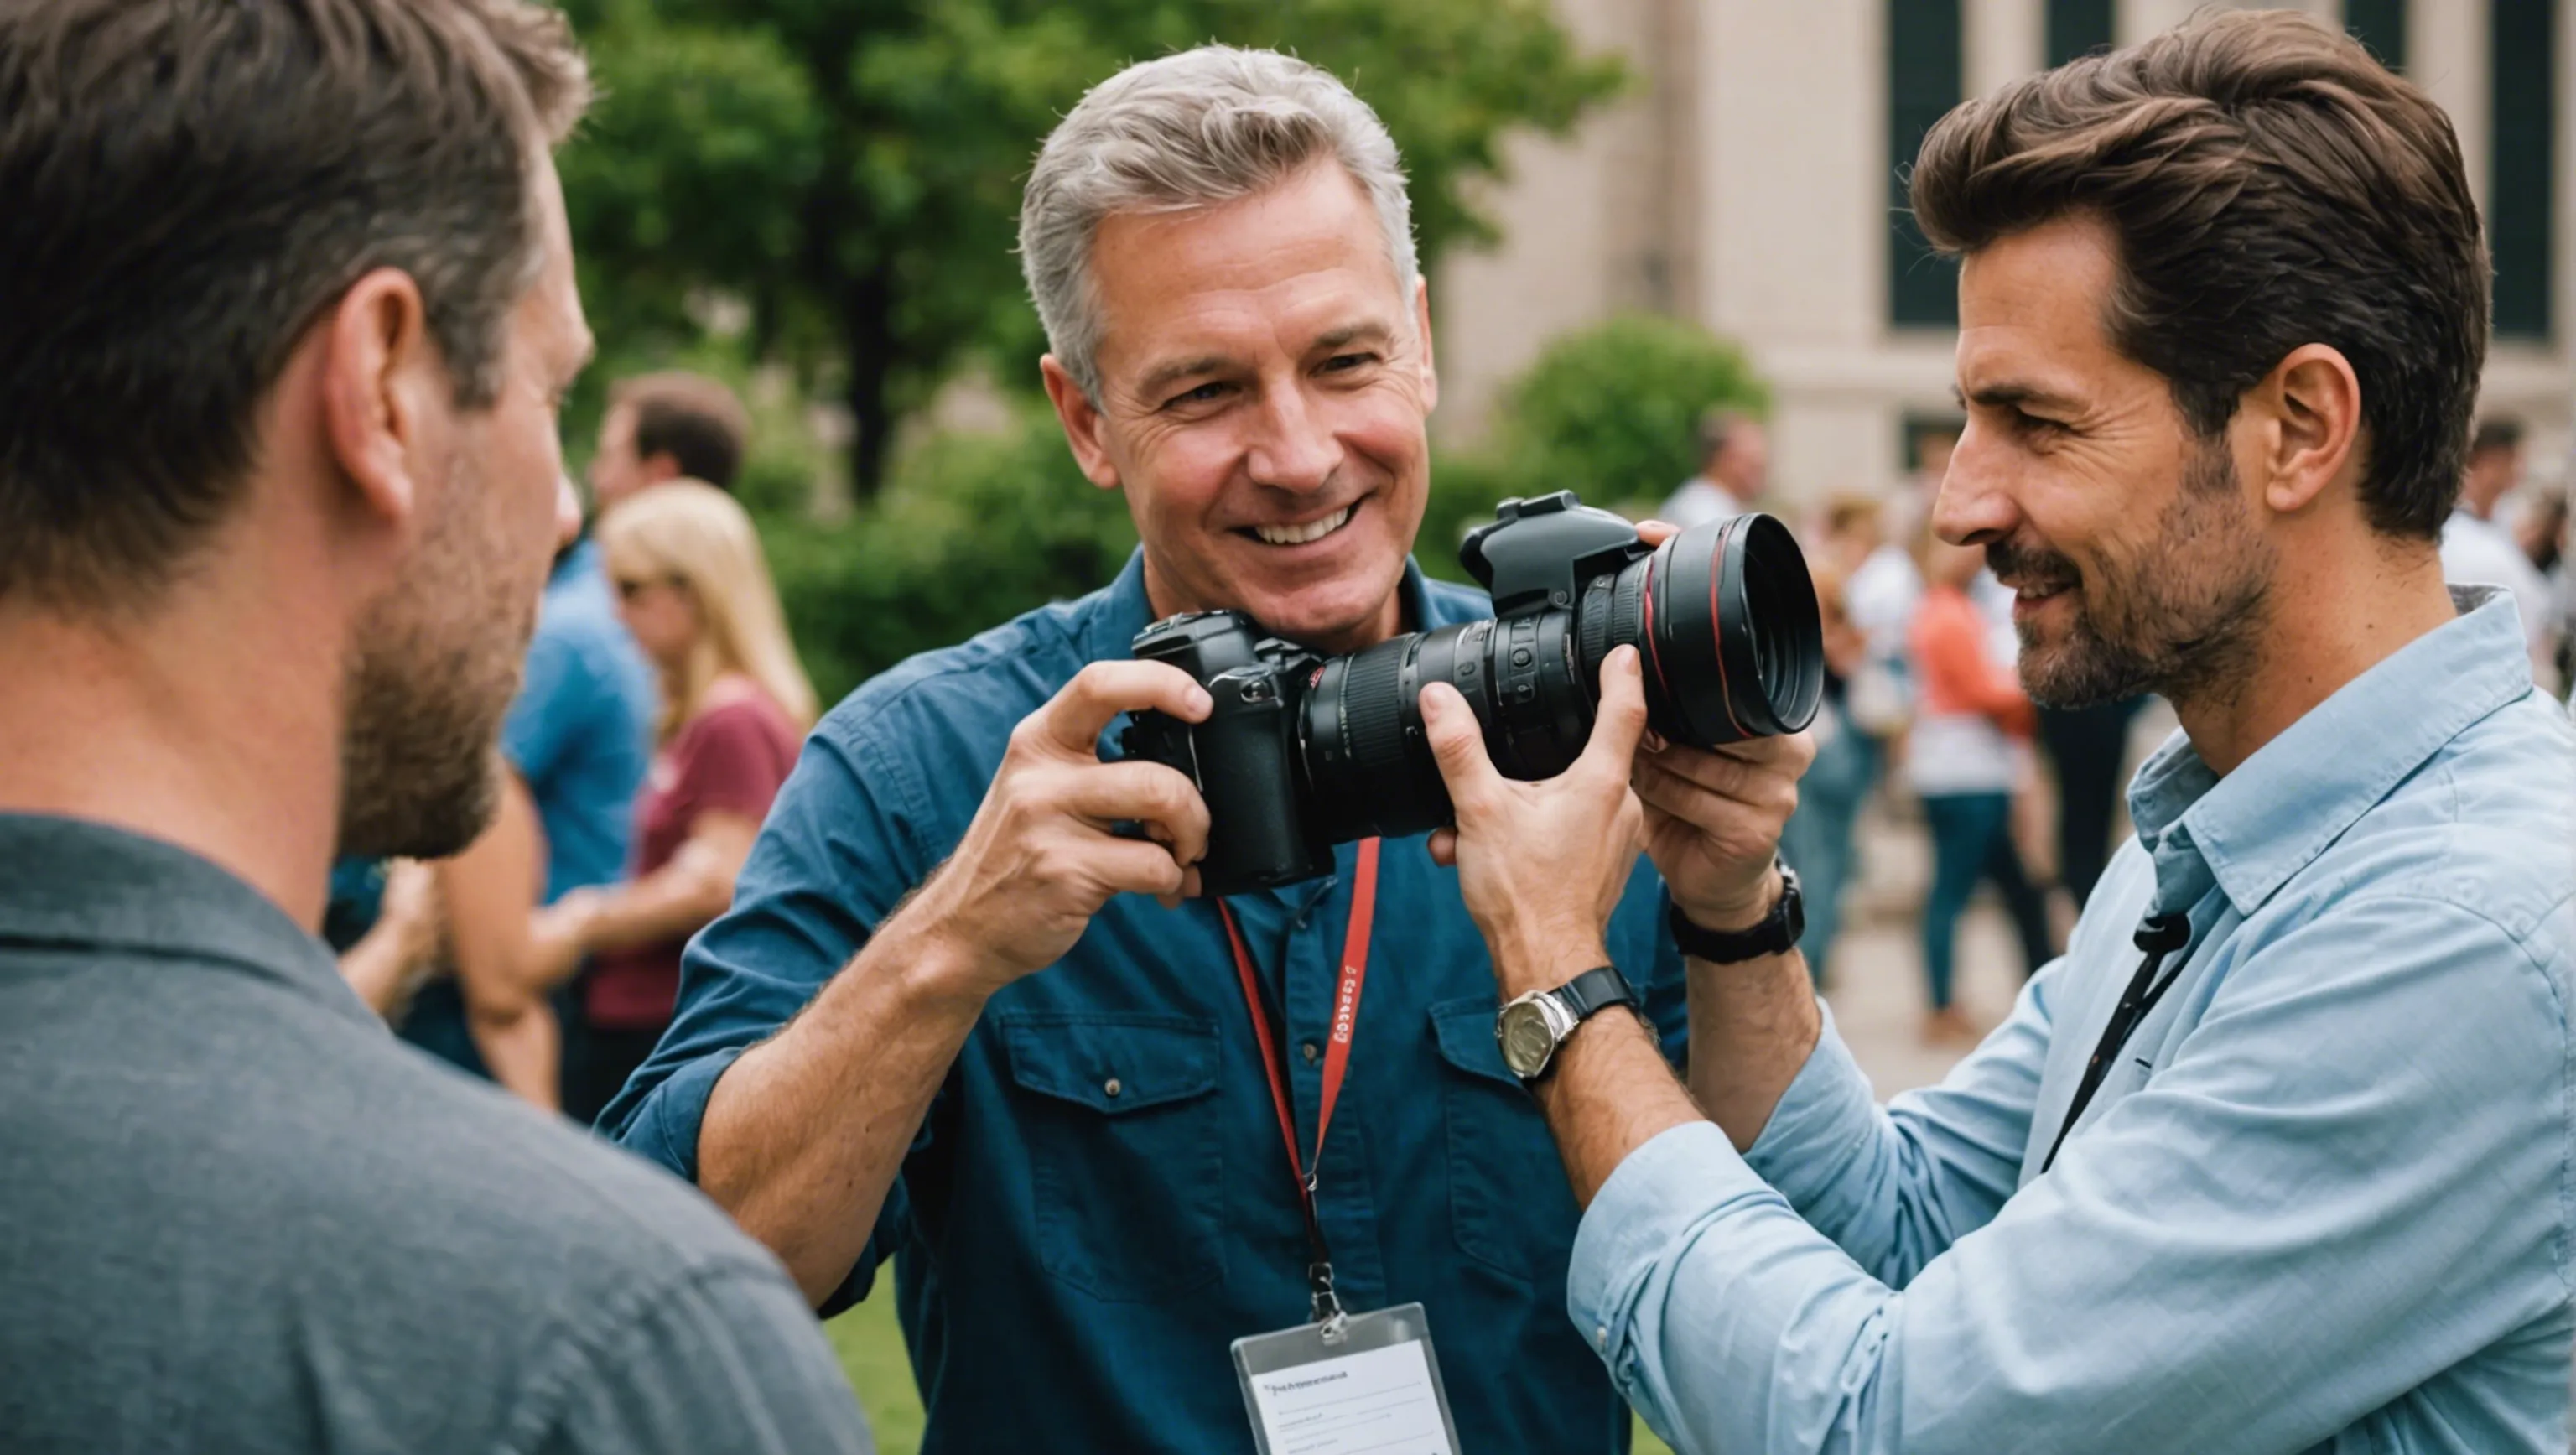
[{"x": 2159, "y": 935}]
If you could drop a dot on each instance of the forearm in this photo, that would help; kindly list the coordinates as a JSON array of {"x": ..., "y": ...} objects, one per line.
[
  {"x": 1752, "y": 1027},
  {"x": 522, "y": 1046},
  {"x": 1607, "y": 1093},
  {"x": 381, "y": 966},
  {"x": 489, "y": 891},
  {"x": 805, "y": 1134},
  {"x": 671, "y": 903}
]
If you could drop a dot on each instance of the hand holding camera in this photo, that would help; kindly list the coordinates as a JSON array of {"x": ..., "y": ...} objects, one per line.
[
  {"x": 1713, "y": 815},
  {"x": 1042, "y": 855},
  {"x": 1542, "y": 865}
]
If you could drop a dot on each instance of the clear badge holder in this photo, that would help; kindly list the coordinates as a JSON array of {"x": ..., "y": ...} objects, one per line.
[{"x": 1351, "y": 1383}]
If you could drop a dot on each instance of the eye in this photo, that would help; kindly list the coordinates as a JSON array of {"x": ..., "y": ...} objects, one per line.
[
  {"x": 1204, "y": 394},
  {"x": 2024, "y": 423},
  {"x": 1343, "y": 363}
]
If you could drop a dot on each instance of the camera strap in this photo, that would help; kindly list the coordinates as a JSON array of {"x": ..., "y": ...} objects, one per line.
[
  {"x": 2159, "y": 935},
  {"x": 1337, "y": 1062}
]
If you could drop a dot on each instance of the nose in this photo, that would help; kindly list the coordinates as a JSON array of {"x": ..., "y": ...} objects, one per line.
[
  {"x": 1973, "y": 505},
  {"x": 1294, "y": 448},
  {"x": 567, "y": 512}
]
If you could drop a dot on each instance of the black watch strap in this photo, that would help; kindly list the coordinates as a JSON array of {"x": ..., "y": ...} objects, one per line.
[
  {"x": 1597, "y": 990},
  {"x": 1777, "y": 934}
]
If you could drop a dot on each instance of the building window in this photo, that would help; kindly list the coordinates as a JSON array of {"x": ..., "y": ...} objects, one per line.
[
  {"x": 1924, "y": 39},
  {"x": 2521, "y": 195},
  {"x": 2077, "y": 28},
  {"x": 2380, "y": 25}
]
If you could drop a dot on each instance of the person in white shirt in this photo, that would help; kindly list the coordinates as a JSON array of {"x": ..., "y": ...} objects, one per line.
[
  {"x": 1735, "y": 461},
  {"x": 2478, "y": 549}
]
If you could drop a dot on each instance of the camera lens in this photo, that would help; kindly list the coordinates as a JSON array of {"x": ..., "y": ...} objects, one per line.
[
  {"x": 1368, "y": 761},
  {"x": 1725, "y": 616}
]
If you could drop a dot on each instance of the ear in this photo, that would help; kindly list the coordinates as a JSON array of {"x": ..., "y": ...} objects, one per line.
[
  {"x": 378, "y": 371},
  {"x": 2310, "y": 406},
  {"x": 659, "y": 466},
  {"x": 1085, "y": 427},
  {"x": 1422, "y": 330}
]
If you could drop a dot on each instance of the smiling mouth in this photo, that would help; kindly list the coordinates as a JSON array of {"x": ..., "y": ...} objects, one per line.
[{"x": 1302, "y": 534}]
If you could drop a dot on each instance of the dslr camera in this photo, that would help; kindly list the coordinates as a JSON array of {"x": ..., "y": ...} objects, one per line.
[{"x": 1302, "y": 752}]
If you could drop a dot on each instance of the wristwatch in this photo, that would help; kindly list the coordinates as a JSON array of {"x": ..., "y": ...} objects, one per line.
[
  {"x": 1777, "y": 934},
  {"x": 1529, "y": 1028}
]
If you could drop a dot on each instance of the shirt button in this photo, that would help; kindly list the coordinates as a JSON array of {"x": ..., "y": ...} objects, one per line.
[
  {"x": 1310, "y": 1052},
  {"x": 1601, "y": 1336},
  {"x": 1111, "y": 1086}
]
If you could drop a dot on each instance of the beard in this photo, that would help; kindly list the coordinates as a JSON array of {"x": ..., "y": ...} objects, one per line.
[
  {"x": 2178, "y": 615},
  {"x": 432, "y": 667}
]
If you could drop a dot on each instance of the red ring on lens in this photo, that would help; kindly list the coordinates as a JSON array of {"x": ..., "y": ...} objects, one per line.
[
  {"x": 1655, "y": 653},
  {"x": 1717, "y": 633}
]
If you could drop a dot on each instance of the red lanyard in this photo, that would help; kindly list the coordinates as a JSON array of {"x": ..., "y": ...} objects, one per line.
[{"x": 1337, "y": 1049}]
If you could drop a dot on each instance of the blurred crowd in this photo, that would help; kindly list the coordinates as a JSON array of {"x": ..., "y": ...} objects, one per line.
[{"x": 661, "y": 709}]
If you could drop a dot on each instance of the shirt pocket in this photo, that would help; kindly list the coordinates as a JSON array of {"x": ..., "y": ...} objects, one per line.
[
  {"x": 1509, "y": 1206},
  {"x": 1118, "y": 1113}
]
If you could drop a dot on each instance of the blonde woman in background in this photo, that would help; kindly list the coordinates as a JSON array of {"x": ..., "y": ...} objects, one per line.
[{"x": 693, "y": 587}]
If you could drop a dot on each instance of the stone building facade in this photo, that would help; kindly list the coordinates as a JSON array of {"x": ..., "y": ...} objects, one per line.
[{"x": 1746, "y": 181}]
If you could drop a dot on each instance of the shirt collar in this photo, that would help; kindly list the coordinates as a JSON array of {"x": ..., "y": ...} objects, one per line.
[
  {"x": 2250, "y": 831},
  {"x": 82, "y": 885}
]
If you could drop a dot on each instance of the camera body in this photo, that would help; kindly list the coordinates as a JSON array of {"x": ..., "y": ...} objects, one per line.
[
  {"x": 1301, "y": 752},
  {"x": 1244, "y": 757}
]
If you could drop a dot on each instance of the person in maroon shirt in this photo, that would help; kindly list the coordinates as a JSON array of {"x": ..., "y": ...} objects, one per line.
[{"x": 693, "y": 587}]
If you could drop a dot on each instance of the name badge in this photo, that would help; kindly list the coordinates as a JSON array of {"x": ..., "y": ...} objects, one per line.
[{"x": 1363, "y": 1382}]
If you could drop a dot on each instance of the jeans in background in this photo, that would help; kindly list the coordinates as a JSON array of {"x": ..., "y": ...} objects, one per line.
[
  {"x": 2089, "y": 745},
  {"x": 1965, "y": 827},
  {"x": 1818, "y": 842}
]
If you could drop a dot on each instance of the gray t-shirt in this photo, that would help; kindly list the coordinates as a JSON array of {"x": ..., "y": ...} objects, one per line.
[{"x": 236, "y": 1215}]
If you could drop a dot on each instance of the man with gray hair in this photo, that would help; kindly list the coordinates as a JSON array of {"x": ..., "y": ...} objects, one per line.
[{"x": 947, "y": 1017}]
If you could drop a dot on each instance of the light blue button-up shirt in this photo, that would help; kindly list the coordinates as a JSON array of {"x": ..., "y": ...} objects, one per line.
[{"x": 2323, "y": 1202}]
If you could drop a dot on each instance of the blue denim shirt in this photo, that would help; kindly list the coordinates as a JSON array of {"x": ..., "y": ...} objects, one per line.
[
  {"x": 2321, "y": 1203},
  {"x": 1099, "y": 1204},
  {"x": 581, "y": 730}
]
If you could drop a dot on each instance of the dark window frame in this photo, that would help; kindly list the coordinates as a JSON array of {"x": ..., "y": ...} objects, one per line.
[
  {"x": 1926, "y": 76},
  {"x": 2522, "y": 166},
  {"x": 2079, "y": 28}
]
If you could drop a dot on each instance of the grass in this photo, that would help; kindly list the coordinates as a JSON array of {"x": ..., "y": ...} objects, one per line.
[{"x": 871, "y": 1349}]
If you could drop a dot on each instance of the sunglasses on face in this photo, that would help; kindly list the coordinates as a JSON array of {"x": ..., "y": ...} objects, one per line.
[{"x": 630, "y": 587}]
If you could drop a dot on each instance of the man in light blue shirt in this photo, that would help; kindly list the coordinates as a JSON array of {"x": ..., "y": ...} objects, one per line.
[{"x": 2277, "y": 1157}]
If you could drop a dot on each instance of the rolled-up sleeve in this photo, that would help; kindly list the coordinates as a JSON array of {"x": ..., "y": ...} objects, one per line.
[
  {"x": 2346, "y": 1181},
  {"x": 835, "y": 856},
  {"x": 1895, "y": 1186}
]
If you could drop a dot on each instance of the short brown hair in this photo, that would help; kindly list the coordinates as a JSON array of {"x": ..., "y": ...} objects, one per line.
[
  {"x": 2496, "y": 434},
  {"x": 2270, "y": 185},
  {"x": 1717, "y": 429},
  {"x": 190, "y": 185},
  {"x": 690, "y": 417}
]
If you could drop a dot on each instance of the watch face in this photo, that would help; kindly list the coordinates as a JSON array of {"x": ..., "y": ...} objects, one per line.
[{"x": 1527, "y": 1039}]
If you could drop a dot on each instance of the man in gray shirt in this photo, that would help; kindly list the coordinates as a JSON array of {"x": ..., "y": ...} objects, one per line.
[{"x": 286, "y": 308}]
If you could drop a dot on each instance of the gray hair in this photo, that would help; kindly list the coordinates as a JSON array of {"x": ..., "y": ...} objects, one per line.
[{"x": 1186, "y": 131}]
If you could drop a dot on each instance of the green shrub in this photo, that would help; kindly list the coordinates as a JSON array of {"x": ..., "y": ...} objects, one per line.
[
  {"x": 971, "y": 531},
  {"x": 1465, "y": 487},
  {"x": 1613, "y": 411}
]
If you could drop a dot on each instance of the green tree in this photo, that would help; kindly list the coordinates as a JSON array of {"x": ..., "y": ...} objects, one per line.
[{"x": 851, "y": 169}]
